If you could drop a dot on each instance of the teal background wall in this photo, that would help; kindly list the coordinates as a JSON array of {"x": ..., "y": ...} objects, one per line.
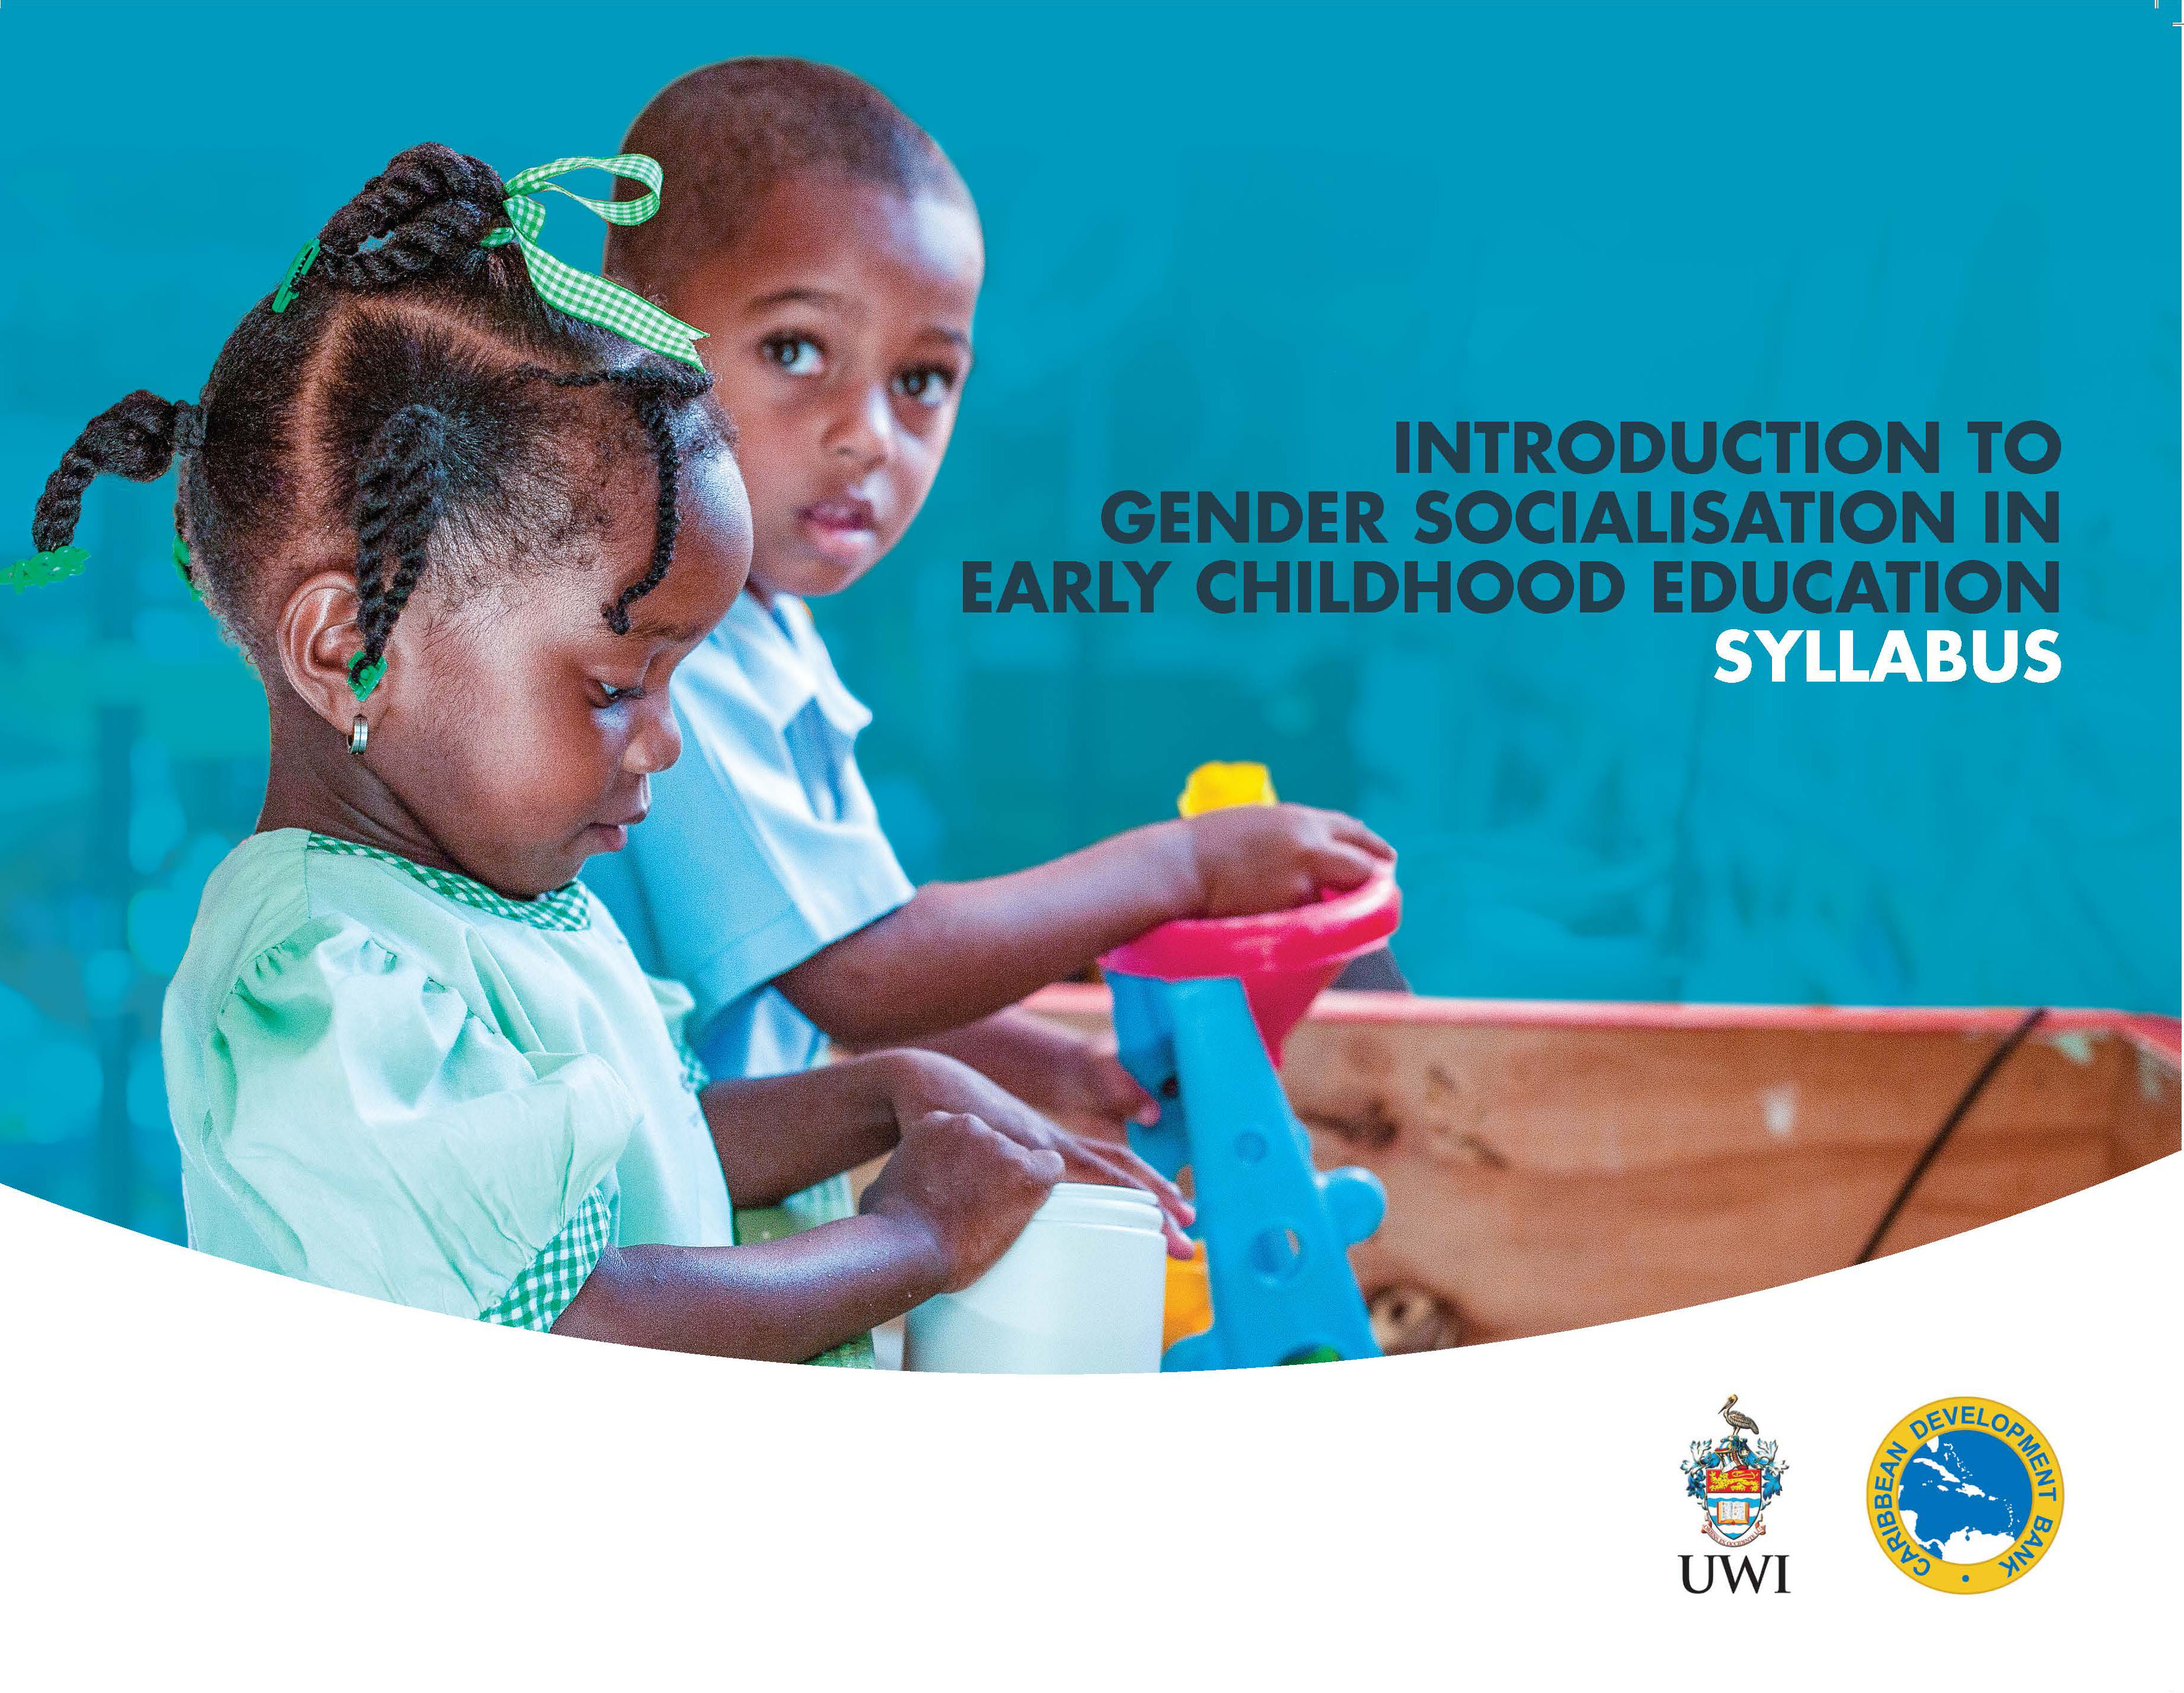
[{"x": 1226, "y": 248}]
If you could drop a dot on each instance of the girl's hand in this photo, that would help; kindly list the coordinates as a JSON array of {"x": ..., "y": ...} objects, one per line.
[
  {"x": 1249, "y": 859},
  {"x": 931, "y": 1082},
  {"x": 970, "y": 1188}
]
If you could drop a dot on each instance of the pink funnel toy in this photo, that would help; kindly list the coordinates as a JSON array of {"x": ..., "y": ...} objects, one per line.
[{"x": 1283, "y": 958}]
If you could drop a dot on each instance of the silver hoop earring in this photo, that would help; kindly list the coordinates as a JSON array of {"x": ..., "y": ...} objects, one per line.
[{"x": 359, "y": 735}]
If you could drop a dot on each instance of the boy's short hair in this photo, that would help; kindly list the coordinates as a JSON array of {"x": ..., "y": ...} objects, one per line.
[{"x": 725, "y": 134}]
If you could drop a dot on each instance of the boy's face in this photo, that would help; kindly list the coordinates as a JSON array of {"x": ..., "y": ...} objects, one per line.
[{"x": 840, "y": 333}]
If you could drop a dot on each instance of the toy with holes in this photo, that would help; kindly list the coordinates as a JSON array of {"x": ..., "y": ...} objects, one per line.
[{"x": 1200, "y": 1009}]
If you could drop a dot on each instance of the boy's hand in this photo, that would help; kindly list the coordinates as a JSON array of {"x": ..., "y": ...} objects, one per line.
[
  {"x": 1086, "y": 1088},
  {"x": 1249, "y": 859},
  {"x": 932, "y": 1081},
  {"x": 969, "y": 1189}
]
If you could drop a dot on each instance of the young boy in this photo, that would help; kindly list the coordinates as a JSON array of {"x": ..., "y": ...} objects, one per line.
[{"x": 833, "y": 256}]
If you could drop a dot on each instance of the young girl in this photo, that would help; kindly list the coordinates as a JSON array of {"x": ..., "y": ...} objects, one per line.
[
  {"x": 451, "y": 524},
  {"x": 833, "y": 255}
]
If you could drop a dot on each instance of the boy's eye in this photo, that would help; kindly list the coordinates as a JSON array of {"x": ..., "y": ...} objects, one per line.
[
  {"x": 796, "y": 355},
  {"x": 611, "y": 695},
  {"x": 928, "y": 386}
]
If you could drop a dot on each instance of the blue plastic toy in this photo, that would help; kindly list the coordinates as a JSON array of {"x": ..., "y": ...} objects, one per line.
[{"x": 1277, "y": 1233}]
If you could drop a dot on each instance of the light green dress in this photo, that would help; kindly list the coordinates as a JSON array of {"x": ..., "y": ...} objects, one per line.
[{"x": 391, "y": 1079}]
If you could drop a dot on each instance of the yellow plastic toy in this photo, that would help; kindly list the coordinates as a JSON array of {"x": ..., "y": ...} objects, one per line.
[
  {"x": 1188, "y": 1307},
  {"x": 1216, "y": 787},
  {"x": 1213, "y": 787}
]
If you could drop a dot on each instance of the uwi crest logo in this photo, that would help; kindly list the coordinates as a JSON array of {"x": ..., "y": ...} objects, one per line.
[{"x": 1734, "y": 1480}]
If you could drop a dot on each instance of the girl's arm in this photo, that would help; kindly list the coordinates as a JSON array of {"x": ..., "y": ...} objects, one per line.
[
  {"x": 778, "y": 1134},
  {"x": 960, "y": 951},
  {"x": 951, "y": 1200},
  {"x": 783, "y": 1301}
]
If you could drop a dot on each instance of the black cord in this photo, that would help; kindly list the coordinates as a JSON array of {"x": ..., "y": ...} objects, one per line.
[{"x": 2010, "y": 1042}]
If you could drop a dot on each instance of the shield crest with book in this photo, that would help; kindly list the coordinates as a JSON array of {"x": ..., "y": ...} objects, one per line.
[{"x": 1734, "y": 1480}]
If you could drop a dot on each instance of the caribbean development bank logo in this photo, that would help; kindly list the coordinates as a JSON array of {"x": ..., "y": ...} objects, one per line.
[{"x": 1965, "y": 1495}]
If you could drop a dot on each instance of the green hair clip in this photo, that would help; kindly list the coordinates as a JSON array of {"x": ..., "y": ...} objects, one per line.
[
  {"x": 181, "y": 555},
  {"x": 41, "y": 569},
  {"x": 306, "y": 256},
  {"x": 363, "y": 678}
]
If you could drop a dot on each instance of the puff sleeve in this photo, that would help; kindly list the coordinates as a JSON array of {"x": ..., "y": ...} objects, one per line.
[{"x": 377, "y": 1135}]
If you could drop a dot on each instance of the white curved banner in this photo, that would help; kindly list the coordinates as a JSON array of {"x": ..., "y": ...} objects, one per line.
[{"x": 218, "y": 1475}]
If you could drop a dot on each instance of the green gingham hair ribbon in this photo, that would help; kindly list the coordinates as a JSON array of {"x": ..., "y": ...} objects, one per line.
[{"x": 579, "y": 292}]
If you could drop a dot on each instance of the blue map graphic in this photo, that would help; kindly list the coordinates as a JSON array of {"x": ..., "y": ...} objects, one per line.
[{"x": 1965, "y": 1496}]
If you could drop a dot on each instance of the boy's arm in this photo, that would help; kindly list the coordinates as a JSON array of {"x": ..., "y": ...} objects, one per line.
[
  {"x": 1074, "y": 1078},
  {"x": 960, "y": 951},
  {"x": 777, "y": 1134}
]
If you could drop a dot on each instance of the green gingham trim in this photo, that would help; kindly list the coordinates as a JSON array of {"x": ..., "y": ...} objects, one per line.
[
  {"x": 567, "y": 908},
  {"x": 695, "y": 1075},
  {"x": 542, "y": 1292},
  {"x": 855, "y": 1354},
  {"x": 579, "y": 292}
]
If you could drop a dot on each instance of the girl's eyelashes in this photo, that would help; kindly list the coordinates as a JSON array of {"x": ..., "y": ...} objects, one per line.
[
  {"x": 927, "y": 385},
  {"x": 793, "y": 353}
]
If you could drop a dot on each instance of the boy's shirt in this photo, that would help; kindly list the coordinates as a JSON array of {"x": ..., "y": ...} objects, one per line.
[{"x": 763, "y": 846}]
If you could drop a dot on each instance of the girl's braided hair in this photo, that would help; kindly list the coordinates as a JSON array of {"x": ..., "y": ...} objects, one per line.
[{"x": 414, "y": 386}]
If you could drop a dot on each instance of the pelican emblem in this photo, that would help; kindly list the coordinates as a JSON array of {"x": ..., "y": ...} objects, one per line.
[{"x": 1734, "y": 1479}]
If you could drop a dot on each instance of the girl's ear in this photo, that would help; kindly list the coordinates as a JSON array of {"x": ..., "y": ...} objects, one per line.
[{"x": 318, "y": 636}]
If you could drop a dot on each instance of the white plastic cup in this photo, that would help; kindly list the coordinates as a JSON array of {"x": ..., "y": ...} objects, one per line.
[{"x": 1079, "y": 1293}]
